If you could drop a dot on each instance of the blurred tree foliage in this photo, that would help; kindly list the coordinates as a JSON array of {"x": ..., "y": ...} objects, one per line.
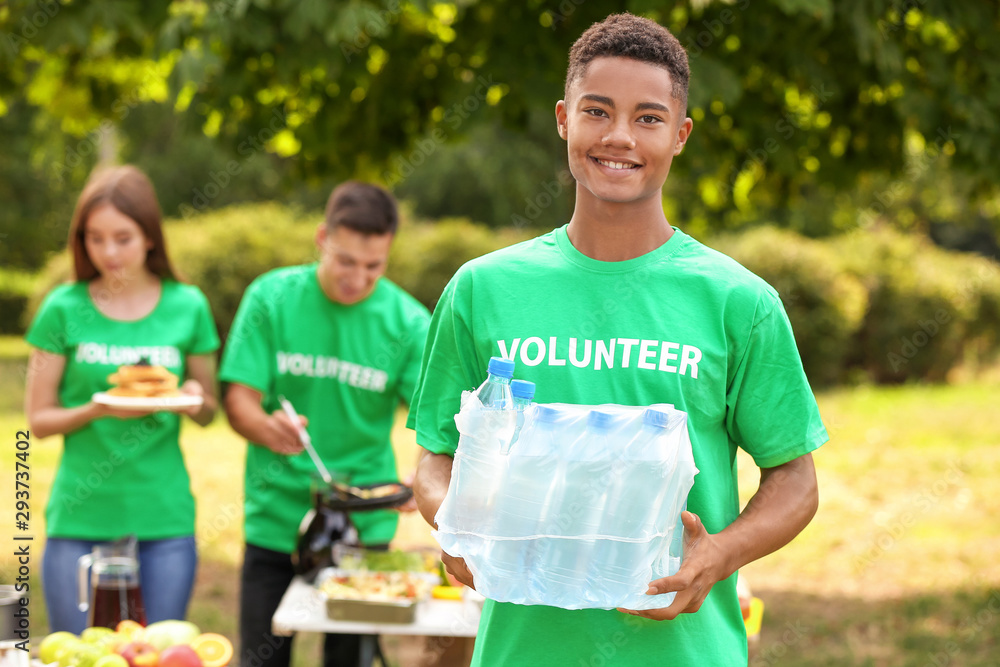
[{"x": 795, "y": 102}]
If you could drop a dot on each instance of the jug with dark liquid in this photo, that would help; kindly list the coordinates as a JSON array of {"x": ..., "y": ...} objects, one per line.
[{"x": 114, "y": 592}]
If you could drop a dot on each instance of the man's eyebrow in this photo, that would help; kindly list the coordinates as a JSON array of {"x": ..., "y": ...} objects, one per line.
[
  {"x": 600, "y": 99},
  {"x": 655, "y": 106}
]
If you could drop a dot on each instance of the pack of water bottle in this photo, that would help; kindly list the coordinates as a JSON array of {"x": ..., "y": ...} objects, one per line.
[{"x": 571, "y": 506}]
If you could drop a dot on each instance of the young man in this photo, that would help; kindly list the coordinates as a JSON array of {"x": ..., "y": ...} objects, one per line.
[
  {"x": 343, "y": 345},
  {"x": 620, "y": 307}
]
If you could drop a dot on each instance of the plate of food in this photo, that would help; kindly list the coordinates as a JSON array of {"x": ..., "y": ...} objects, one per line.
[
  {"x": 374, "y": 597},
  {"x": 143, "y": 386}
]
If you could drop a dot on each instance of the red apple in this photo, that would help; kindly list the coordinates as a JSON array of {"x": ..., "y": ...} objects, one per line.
[
  {"x": 181, "y": 655},
  {"x": 139, "y": 654}
]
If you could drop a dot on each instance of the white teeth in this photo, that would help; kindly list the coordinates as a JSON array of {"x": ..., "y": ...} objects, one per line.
[{"x": 617, "y": 165}]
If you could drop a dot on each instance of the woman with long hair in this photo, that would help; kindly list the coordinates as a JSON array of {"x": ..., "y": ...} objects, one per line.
[{"x": 121, "y": 472}]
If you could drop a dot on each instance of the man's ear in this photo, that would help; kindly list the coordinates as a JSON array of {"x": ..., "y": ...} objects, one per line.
[
  {"x": 683, "y": 133},
  {"x": 561, "y": 118},
  {"x": 321, "y": 234}
]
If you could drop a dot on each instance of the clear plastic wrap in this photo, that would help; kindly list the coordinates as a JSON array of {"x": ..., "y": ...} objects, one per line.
[{"x": 580, "y": 510}]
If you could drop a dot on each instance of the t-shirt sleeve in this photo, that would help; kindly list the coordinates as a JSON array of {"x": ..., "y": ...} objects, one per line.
[
  {"x": 48, "y": 329},
  {"x": 447, "y": 369},
  {"x": 771, "y": 410},
  {"x": 417, "y": 330},
  {"x": 249, "y": 352},
  {"x": 205, "y": 338}
]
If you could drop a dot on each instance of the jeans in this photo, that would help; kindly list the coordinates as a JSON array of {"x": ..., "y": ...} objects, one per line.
[
  {"x": 266, "y": 575},
  {"x": 166, "y": 575}
]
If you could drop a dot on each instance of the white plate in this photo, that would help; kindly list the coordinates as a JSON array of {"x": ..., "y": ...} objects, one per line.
[{"x": 148, "y": 403}]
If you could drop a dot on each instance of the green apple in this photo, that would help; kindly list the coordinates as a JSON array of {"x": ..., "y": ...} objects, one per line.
[
  {"x": 65, "y": 653},
  {"x": 87, "y": 655},
  {"x": 170, "y": 633},
  {"x": 52, "y": 643},
  {"x": 96, "y": 634},
  {"x": 111, "y": 660}
]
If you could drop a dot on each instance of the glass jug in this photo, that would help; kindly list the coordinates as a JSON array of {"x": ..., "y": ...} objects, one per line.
[{"x": 115, "y": 594}]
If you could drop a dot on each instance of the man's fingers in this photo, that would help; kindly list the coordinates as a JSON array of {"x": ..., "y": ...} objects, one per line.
[
  {"x": 675, "y": 582},
  {"x": 693, "y": 527},
  {"x": 680, "y": 604},
  {"x": 458, "y": 569}
]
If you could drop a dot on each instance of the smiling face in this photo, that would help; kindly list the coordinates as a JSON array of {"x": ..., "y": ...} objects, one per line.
[
  {"x": 115, "y": 243},
  {"x": 351, "y": 262},
  {"x": 623, "y": 128}
]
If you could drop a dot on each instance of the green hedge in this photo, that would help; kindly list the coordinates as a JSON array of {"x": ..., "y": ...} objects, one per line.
[
  {"x": 426, "y": 256},
  {"x": 223, "y": 251},
  {"x": 878, "y": 304},
  {"x": 929, "y": 309},
  {"x": 825, "y": 304}
]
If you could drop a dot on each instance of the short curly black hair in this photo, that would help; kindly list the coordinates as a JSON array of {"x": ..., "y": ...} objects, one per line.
[{"x": 630, "y": 36}]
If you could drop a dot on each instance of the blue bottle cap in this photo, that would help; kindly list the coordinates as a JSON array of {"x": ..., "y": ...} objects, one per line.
[
  {"x": 598, "y": 419},
  {"x": 546, "y": 414},
  {"x": 655, "y": 418},
  {"x": 522, "y": 389},
  {"x": 500, "y": 366}
]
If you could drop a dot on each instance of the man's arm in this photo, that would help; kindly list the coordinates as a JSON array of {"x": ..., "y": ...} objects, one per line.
[
  {"x": 274, "y": 431},
  {"x": 430, "y": 486},
  {"x": 783, "y": 505}
]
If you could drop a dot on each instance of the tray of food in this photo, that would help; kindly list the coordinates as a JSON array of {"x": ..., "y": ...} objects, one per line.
[
  {"x": 374, "y": 596},
  {"x": 143, "y": 386}
]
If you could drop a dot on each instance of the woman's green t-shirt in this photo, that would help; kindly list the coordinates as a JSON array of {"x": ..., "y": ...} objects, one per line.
[{"x": 121, "y": 476}]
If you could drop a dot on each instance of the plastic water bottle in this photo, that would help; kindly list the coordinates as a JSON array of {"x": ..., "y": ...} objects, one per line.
[
  {"x": 531, "y": 467},
  {"x": 477, "y": 462},
  {"x": 495, "y": 393},
  {"x": 523, "y": 392},
  {"x": 635, "y": 504},
  {"x": 574, "y": 509}
]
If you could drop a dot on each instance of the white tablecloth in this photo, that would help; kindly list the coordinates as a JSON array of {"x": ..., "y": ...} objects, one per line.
[{"x": 303, "y": 609}]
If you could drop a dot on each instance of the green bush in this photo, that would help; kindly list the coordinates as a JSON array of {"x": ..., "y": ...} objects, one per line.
[
  {"x": 16, "y": 288},
  {"x": 425, "y": 256},
  {"x": 824, "y": 304},
  {"x": 222, "y": 251},
  {"x": 929, "y": 309}
]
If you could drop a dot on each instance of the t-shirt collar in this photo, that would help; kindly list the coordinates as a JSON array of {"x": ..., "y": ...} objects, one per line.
[{"x": 676, "y": 240}]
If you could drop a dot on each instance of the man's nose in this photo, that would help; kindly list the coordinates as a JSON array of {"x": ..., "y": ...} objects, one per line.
[{"x": 620, "y": 135}]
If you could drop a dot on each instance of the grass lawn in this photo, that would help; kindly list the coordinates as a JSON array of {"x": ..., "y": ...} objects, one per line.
[{"x": 899, "y": 567}]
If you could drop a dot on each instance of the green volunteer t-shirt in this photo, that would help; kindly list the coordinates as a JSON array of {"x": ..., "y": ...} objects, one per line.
[
  {"x": 346, "y": 368},
  {"x": 121, "y": 476},
  {"x": 682, "y": 324}
]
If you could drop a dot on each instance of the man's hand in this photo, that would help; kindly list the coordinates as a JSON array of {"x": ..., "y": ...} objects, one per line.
[
  {"x": 274, "y": 431},
  {"x": 281, "y": 435},
  {"x": 702, "y": 567},
  {"x": 457, "y": 568},
  {"x": 411, "y": 504}
]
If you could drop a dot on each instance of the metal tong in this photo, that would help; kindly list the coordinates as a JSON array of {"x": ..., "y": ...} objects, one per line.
[{"x": 306, "y": 441}]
